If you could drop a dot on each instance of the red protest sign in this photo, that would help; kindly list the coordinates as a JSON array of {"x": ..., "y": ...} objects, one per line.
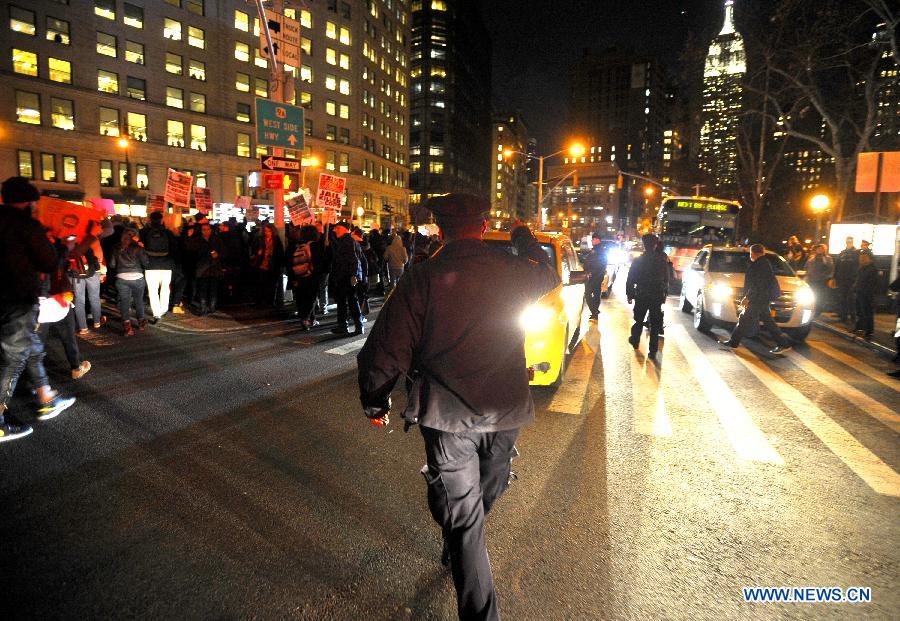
[
  {"x": 203, "y": 200},
  {"x": 156, "y": 202},
  {"x": 178, "y": 188},
  {"x": 330, "y": 195},
  {"x": 63, "y": 218}
]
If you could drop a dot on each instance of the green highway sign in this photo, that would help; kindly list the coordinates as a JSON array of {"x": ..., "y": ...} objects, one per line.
[{"x": 278, "y": 124}]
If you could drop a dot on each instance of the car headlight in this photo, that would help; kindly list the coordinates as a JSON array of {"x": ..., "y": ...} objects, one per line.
[
  {"x": 615, "y": 256},
  {"x": 805, "y": 296},
  {"x": 536, "y": 317},
  {"x": 720, "y": 291}
]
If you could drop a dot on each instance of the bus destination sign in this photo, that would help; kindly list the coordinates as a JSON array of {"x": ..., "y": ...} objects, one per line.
[{"x": 703, "y": 206}]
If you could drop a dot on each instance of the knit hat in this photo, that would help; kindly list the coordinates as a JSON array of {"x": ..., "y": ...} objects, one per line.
[{"x": 18, "y": 190}]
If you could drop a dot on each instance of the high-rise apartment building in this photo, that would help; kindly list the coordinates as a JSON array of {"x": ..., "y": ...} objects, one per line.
[
  {"x": 179, "y": 78},
  {"x": 886, "y": 136},
  {"x": 509, "y": 176},
  {"x": 583, "y": 197},
  {"x": 450, "y": 111},
  {"x": 722, "y": 104}
]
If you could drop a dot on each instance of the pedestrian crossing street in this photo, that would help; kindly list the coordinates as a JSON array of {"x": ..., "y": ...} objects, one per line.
[{"x": 847, "y": 404}]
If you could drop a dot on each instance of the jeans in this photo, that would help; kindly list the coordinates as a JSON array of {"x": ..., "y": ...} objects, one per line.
[
  {"x": 64, "y": 330},
  {"x": 643, "y": 307},
  {"x": 466, "y": 473},
  {"x": 22, "y": 348},
  {"x": 87, "y": 292},
  {"x": 322, "y": 293},
  {"x": 129, "y": 289},
  {"x": 207, "y": 294},
  {"x": 748, "y": 325},
  {"x": 395, "y": 274},
  {"x": 158, "y": 282}
]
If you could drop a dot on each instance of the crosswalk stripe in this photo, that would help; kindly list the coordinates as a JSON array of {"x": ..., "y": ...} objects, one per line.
[
  {"x": 863, "y": 401},
  {"x": 347, "y": 348},
  {"x": 868, "y": 466},
  {"x": 649, "y": 403},
  {"x": 856, "y": 364},
  {"x": 570, "y": 397},
  {"x": 748, "y": 440}
]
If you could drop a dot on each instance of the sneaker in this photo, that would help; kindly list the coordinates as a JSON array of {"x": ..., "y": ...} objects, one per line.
[
  {"x": 127, "y": 329},
  {"x": 54, "y": 407},
  {"x": 359, "y": 331},
  {"x": 780, "y": 349},
  {"x": 101, "y": 323},
  {"x": 83, "y": 332},
  {"x": 154, "y": 320},
  {"x": 82, "y": 370},
  {"x": 178, "y": 310},
  {"x": 727, "y": 344},
  {"x": 9, "y": 431}
]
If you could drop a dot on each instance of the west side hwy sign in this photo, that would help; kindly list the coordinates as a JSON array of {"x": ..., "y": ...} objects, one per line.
[
  {"x": 279, "y": 163},
  {"x": 278, "y": 124}
]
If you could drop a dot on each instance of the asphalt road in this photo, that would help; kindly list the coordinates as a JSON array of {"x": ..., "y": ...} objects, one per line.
[{"x": 228, "y": 473}]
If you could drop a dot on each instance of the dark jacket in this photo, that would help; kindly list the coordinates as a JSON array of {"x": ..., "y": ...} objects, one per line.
[
  {"x": 595, "y": 262},
  {"x": 161, "y": 247},
  {"x": 452, "y": 322},
  {"x": 346, "y": 260},
  {"x": 648, "y": 277},
  {"x": 277, "y": 261},
  {"x": 131, "y": 260},
  {"x": 867, "y": 281},
  {"x": 760, "y": 284},
  {"x": 207, "y": 266},
  {"x": 25, "y": 253},
  {"x": 845, "y": 267}
]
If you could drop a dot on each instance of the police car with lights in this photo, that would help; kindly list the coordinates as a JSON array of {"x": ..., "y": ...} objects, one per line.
[{"x": 712, "y": 288}]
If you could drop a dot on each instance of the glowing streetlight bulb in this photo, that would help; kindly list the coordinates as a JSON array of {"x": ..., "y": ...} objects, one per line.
[
  {"x": 819, "y": 202},
  {"x": 123, "y": 142},
  {"x": 576, "y": 150},
  {"x": 508, "y": 153}
]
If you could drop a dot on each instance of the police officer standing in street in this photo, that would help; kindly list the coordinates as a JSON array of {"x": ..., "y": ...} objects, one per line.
[
  {"x": 450, "y": 326},
  {"x": 760, "y": 288},
  {"x": 595, "y": 264},
  {"x": 647, "y": 286}
]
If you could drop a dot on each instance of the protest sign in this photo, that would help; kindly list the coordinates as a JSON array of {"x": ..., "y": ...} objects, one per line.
[
  {"x": 178, "y": 188},
  {"x": 156, "y": 202},
  {"x": 203, "y": 200},
  {"x": 299, "y": 211},
  {"x": 330, "y": 195},
  {"x": 63, "y": 218},
  {"x": 251, "y": 213},
  {"x": 242, "y": 202}
]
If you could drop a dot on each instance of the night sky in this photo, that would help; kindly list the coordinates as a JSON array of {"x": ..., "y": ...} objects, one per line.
[{"x": 536, "y": 41}]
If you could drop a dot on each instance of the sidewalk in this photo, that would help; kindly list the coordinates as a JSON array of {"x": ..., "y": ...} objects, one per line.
[{"x": 882, "y": 340}]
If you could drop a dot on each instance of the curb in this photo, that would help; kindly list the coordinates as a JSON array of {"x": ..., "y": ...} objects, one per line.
[{"x": 871, "y": 345}]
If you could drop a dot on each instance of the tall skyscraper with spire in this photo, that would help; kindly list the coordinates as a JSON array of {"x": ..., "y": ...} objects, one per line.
[{"x": 723, "y": 74}]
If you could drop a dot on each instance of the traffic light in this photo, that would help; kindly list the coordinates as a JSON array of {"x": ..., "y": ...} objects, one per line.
[{"x": 291, "y": 182}]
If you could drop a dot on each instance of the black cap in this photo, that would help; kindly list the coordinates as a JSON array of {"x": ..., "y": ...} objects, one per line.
[
  {"x": 458, "y": 205},
  {"x": 18, "y": 190}
]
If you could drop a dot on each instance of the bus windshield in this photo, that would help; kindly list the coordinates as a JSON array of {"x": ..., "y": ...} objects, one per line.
[{"x": 693, "y": 222}]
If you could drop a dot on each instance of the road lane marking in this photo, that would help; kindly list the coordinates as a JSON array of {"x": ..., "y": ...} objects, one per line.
[
  {"x": 570, "y": 397},
  {"x": 864, "y": 402},
  {"x": 347, "y": 348},
  {"x": 648, "y": 403},
  {"x": 867, "y": 466},
  {"x": 855, "y": 364},
  {"x": 747, "y": 439}
]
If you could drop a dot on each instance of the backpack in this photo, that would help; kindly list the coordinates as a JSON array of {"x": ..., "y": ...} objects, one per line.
[
  {"x": 302, "y": 261},
  {"x": 157, "y": 242}
]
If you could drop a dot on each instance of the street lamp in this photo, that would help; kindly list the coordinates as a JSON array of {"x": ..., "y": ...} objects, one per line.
[
  {"x": 819, "y": 204},
  {"x": 649, "y": 191},
  {"x": 574, "y": 150}
]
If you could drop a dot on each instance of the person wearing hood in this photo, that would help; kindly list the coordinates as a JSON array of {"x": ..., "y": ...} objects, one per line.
[
  {"x": 396, "y": 258},
  {"x": 130, "y": 261}
]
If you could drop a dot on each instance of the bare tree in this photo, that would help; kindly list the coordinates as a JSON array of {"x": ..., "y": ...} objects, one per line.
[{"x": 891, "y": 19}]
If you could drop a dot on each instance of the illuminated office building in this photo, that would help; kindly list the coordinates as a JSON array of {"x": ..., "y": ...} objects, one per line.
[{"x": 509, "y": 176}]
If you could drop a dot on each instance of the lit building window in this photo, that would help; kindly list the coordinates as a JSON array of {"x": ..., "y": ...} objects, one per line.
[
  {"x": 438, "y": 5},
  {"x": 109, "y": 121},
  {"x": 345, "y": 36},
  {"x": 261, "y": 87},
  {"x": 197, "y": 70},
  {"x": 436, "y": 167},
  {"x": 21, "y": 21},
  {"x": 142, "y": 175},
  {"x": 331, "y": 107},
  {"x": 330, "y": 82},
  {"x": 58, "y": 30},
  {"x": 330, "y": 56},
  {"x": 137, "y": 126},
  {"x": 306, "y": 74},
  {"x": 136, "y": 88},
  {"x": 105, "y": 8},
  {"x": 174, "y": 133},
  {"x": 344, "y": 111},
  {"x": 174, "y": 97},
  {"x": 330, "y": 30},
  {"x": 60, "y": 70},
  {"x": 242, "y": 52},
  {"x": 62, "y": 114},
  {"x": 25, "y": 161},
  {"x": 305, "y": 19},
  {"x": 242, "y": 82},
  {"x": 259, "y": 60},
  {"x": 134, "y": 16},
  {"x": 241, "y": 21},
  {"x": 70, "y": 169},
  {"x": 201, "y": 179},
  {"x": 25, "y": 63},
  {"x": 329, "y": 160},
  {"x": 345, "y": 61},
  {"x": 106, "y": 44},
  {"x": 134, "y": 52},
  {"x": 171, "y": 29},
  {"x": 243, "y": 145},
  {"x": 48, "y": 167},
  {"x": 28, "y": 108},
  {"x": 174, "y": 63},
  {"x": 306, "y": 46},
  {"x": 344, "y": 88},
  {"x": 198, "y": 102},
  {"x": 198, "y": 137},
  {"x": 107, "y": 81},
  {"x": 243, "y": 113},
  {"x": 196, "y": 37}
]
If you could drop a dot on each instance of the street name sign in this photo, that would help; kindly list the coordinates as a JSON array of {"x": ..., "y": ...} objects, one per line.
[
  {"x": 279, "y": 163},
  {"x": 278, "y": 124}
]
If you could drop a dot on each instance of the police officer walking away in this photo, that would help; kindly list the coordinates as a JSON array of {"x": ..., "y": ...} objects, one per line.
[
  {"x": 760, "y": 288},
  {"x": 595, "y": 264},
  {"x": 647, "y": 286},
  {"x": 845, "y": 268},
  {"x": 450, "y": 325}
]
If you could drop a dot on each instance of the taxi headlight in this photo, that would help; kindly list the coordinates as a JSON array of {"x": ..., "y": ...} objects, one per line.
[
  {"x": 535, "y": 317},
  {"x": 721, "y": 291},
  {"x": 804, "y": 297},
  {"x": 615, "y": 256}
]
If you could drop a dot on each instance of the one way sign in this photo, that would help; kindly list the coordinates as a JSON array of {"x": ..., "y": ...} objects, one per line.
[{"x": 278, "y": 163}]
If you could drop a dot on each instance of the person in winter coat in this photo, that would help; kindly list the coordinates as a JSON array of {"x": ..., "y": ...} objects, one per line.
[
  {"x": 819, "y": 270},
  {"x": 208, "y": 273},
  {"x": 161, "y": 248},
  {"x": 865, "y": 288},
  {"x": 396, "y": 258},
  {"x": 346, "y": 273},
  {"x": 302, "y": 274},
  {"x": 267, "y": 259},
  {"x": 595, "y": 265},
  {"x": 845, "y": 268},
  {"x": 87, "y": 272},
  {"x": 130, "y": 261}
]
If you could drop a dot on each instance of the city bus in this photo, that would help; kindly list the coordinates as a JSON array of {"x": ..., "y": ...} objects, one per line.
[{"x": 687, "y": 223}]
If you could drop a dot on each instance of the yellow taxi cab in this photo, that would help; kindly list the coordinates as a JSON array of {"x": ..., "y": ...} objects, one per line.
[{"x": 552, "y": 325}]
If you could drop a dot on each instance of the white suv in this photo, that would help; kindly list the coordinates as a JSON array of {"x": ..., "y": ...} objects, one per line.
[{"x": 712, "y": 288}]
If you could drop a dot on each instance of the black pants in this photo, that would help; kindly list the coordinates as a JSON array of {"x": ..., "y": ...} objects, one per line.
[
  {"x": 845, "y": 301},
  {"x": 64, "y": 330},
  {"x": 749, "y": 324},
  {"x": 593, "y": 291},
  {"x": 207, "y": 297},
  {"x": 642, "y": 307},
  {"x": 347, "y": 304},
  {"x": 821, "y": 291},
  {"x": 305, "y": 291},
  {"x": 466, "y": 473},
  {"x": 865, "y": 313},
  {"x": 178, "y": 284},
  {"x": 21, "y": 347}
]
